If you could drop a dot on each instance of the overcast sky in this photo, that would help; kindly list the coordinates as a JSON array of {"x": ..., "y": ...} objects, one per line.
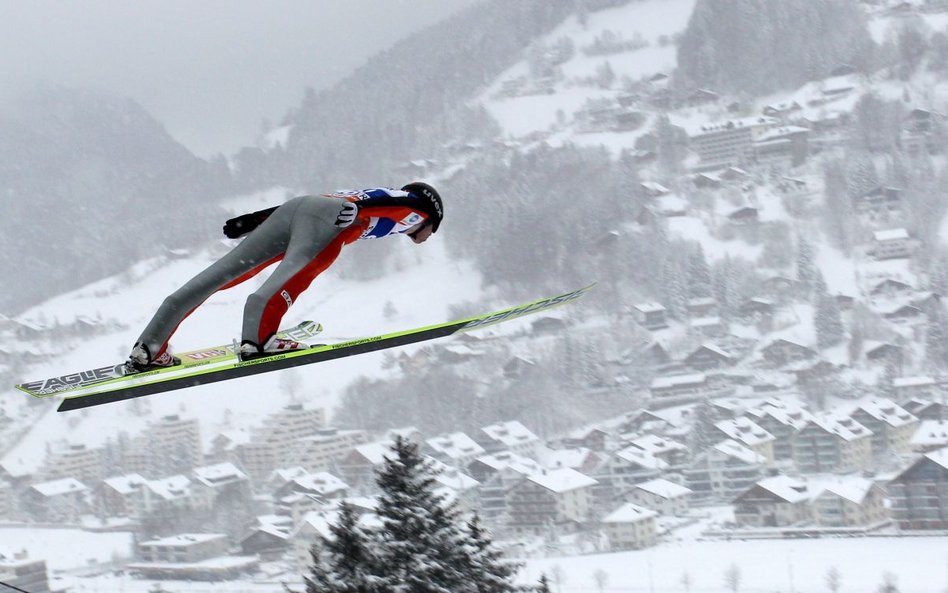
[{"x": 210, "y": 70}]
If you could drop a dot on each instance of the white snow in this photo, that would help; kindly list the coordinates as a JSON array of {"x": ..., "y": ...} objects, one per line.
[{"x": 66, "y": 548}]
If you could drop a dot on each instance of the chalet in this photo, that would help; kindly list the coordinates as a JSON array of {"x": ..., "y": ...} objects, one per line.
[
  {"x": 560, "y": 497},
  {"x": 891, "y": 244},
  {"x": 654, "y": 189},
  {"x": 744, "y": 215},
  {"x": 358, "y": 467},
  {"x": 702, "y": 97},
  {"x": 892, "y": 427},
  {"x": 882, "y": 351},
  {"x": 663, "y": 496},
  {"x": 701, "y": 307},
  {"x": 709, "y": 327},
  {"x": 269, "y": 539},
  {"x": 899, "y": 312},
  {"x": 756, "y": 308},
  {"x": 926, "y": 410},
  {"x": 671, "y": 452},
  {"x": 321, "y": 485},
  {"x": 889, "y": 287},
  {"x": 749, "y": 434},
  {"x": 709, "y": 356},
  {"x": 879, "y": 204},
  {"x": 919, "y": 494},
  {"x": 706, "y": 181},
  {"x": 782, "y": 351},
  {"x": 630, "y": 527},
  {"x": 121, "y": 496},
  {"x": 723, "y": 471},
  {"x": 632, "y": 465},
  {"x": 679, "y": 386},
  {"x": 832, "y": 444},
  {"x": 591, "y": 438},
  {"x": 650, "y": 315},
  {"x": 775, "y": 502}
]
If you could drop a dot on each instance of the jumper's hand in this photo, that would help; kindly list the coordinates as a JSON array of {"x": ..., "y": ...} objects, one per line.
[{"x": 347, "y": 215}]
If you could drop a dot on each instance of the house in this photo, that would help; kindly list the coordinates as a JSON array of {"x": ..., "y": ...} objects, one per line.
[
  {"x": 359, "y": 466},
  {"x": 709, "y": 327},
  {"x": 891, "y": 244},
  {"x": 881, "y": 204},
  {"x": 930, "y": 435},
  {"x": 782, "y": 351},
  {"x": 757, "y": 308},
  {"x": 322, "y": 485},
  {"x": 701, "y": 307},
  {"x": 723, "y": 471},
  {"x": 455, "y": 449},
  {"x": 881, "y": 352},
  {"x": 752, "y": 436},
  {"x": 510, "y": 436},
  {"x": 744, "y": 215},
  {"x": 671, "y": 452},
  {"x": 890, "y": 287},
  {"x": 630, "y": 527},
  {"x": 919, "y": 494},
  {"x": 661, "y": 495},
  {"x": 850, "y": 501},
  {"x": 629, "y": 466},
  {"x": 832, "y": 444},
  {"x": 168, "y": 497},
  {"x": 122, "y": 496},
  {"x": 691, "y": 386},
  {"x": 191, "y": 557},
  {"x": 709, "y": 356},
  {"x": 775, "y": 502},
  {"x": 58, "y": 501},
  {"x": 892, "y": 427},
  {"x": 651, "y": 316},
  {"x": 926, "y": 410},
  {"x": 269, "y": 539},
  {"x": 561, "y": 497},
  {"x": 21, "y": 573},
  {"x": 496, "y": 474}
]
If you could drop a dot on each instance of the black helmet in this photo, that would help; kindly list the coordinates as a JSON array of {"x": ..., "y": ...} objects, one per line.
[{"x": 432, "y": 206}]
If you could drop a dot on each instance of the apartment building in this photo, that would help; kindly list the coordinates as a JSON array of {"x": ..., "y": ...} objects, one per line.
[
  {"x": 170, "y": 445},
  {"x": 455, "y": 449},
  {"x": 891, "y": 426},
  {"x": 58, "y": 501},
  {"x": 510, "y": 436},
  {"x": 630, "y": 527},
  {"x": 323, "y": 449},
  {"x": 560, "y": 497},
  {"x": 831, "y": 443},
  {"x": 19, "y": 571},
  {"x": 729, "y": 142},
  {"x": 919, "y": 494},
  {"x": 74, "y": 461},
  {"x": 746, "y": 432},
  {"x": 273, "y": 443},
  {"x": 775, "y": 502},
  {"x": 662, "y": 496},
  {"x": 723, "y": 471},
  {"x": 784, "y": 423}
]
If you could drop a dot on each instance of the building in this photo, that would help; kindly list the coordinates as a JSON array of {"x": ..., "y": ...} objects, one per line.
[
  {"x": 58, "y": 501},
  {"x": 456, "y": 449},
  {"x": 850, "y": 501},
  {"x": 723, "y": 471},
  {"x": 892, "y": 427},
  {"x": 630, "y": 527},
  {"x": 168, "y": 497},
  {"x": 18, "y": 570},
  {"x": 784, "y": 423},
  {"x": 560, "y": 497},
  {"x": 75, "y": 461},
  {"x": 833, "y": 444},
  {"x": 775, "y": 502},
  {"x": 730, "y": 142},
  {"x": 752, "y": 436},
  {"x": 930, "y": 435},
  {"x": 684, "y": 387},
  {"x": 274, "y": 443},
  {"x": 879, "y": 205},
  {"x": 496, "y": 474},
  {"x": 321, "y": 450},
  {"x": 651, "y": 316},
  {"x": 171, "y": 445},
  {"x": 122, "y": 496},
  {"x": 709, "y": 356},
  {"x": 782, "y": 351},
  {"x": 919, "y": 495},
  {"x": 510, "y": 436},
  {"x": 891, "y": 244},
  {"x": 358, "y": 467},
  {"x": 661, "y": 495},
  {"x": 191, "y": 556},
  {"x": 784, "y": 146}
]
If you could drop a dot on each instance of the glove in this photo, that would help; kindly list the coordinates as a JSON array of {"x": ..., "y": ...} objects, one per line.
[
  {"x": 347, "y": 215},
  {"x": 243, "y": 224}
]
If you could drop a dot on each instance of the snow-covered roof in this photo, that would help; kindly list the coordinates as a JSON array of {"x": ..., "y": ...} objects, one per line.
[
  {"x": 556, "y": 458},
  {"x": 642, "y": 458},
  {"x": 562, "y": 480},
  {"x": 940, "y": 457},
  {"x": 930, "y": 433},
  {"x": 794, "y": 417},
  {"x": 735, "y": 450},
  {"x": 170, "y": 488},
  {"x": 375, "y": 453},
  {"x": 890, "y": 235},
  {"x": 321, "y": 483},
  {"x": 676, "y": 380},
  {"x": 657, "y": 444},
  {"x": 745, "y": 431},
  {"x": 219, "y": 473},
  {"x": 852, "y": 488},
  {"x": 789, "y": 489},
  {"x": 648, "y": 307},
  {"x": 510, "y": 433},
  {"x": 886, "y": 410},
  {"x": 184, "y": 540},
  {"x": 456, "y": 445},
  {"x": 507, "y": 460},
  {"x": 664, "y": 488},
  {"x": 126, "y": 484},
  {"x": 629, "y": 513},
  {"x": 59, "y": 487},
  {"x": 842, "y": 426}
]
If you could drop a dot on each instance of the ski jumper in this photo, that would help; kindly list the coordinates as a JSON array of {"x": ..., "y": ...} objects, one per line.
[{"x": 301, "y": 235}]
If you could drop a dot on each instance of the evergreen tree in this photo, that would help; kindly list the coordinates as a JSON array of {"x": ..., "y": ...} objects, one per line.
[
  {"x": 422, "y": 546},
  {"x": 806, "y": 266},
  {"x": 487, "y": 567},
  {"x": 936, "y": 346},
  {"x": 699, "y": 274},
  {"x": 703, "y": 433},
  {"x": 345, "y": 562},
  {"x": 544, "y": 584}
]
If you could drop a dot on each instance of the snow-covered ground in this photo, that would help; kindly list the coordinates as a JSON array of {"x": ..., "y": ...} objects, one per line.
[{"x": 66, "y": 549}]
